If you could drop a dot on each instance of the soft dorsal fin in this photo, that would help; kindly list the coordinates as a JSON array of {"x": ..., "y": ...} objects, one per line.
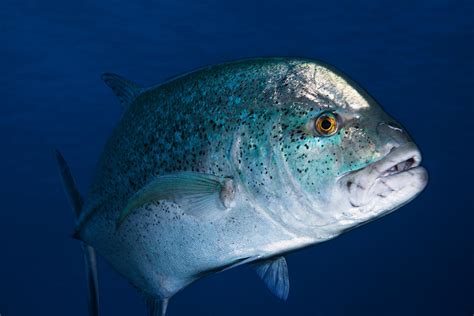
[
  {"x": 198, "y": 194},
  {"x": 125, "y": 90},
  {"x": 274, "y": 273}
]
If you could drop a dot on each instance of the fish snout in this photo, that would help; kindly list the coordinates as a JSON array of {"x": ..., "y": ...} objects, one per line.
[
  {"x": 394, "y": 134},
  {"x": 395, "y": 178}
]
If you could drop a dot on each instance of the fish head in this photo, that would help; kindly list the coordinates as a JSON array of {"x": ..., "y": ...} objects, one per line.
[{"x": 349, "y": 159}]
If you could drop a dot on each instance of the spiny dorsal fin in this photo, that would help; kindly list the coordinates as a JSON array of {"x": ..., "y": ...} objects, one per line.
[{"x": 124, "y": 89}]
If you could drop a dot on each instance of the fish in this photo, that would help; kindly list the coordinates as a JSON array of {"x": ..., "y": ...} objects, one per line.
[{"x": 237, "y": 163}]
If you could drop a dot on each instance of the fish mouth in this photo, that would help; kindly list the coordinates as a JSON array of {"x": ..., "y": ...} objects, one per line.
[
  {"x": 388, "y": 183},
  {"x": 399, "y": 159}
]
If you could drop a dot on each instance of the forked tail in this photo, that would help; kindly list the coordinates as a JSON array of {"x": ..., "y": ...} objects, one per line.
[{"x": 89, "y": 253}]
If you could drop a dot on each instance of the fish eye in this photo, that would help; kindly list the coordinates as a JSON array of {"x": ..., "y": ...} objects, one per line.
[{"x": 326, "y": 124}]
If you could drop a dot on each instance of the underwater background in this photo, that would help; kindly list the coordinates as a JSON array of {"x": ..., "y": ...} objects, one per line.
[{"x": 415, "y": 57}]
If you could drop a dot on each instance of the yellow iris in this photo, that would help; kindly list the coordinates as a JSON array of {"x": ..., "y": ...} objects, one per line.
[{"x": 326, "y": 124}]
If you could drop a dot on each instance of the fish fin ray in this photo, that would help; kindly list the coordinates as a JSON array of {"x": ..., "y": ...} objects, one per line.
[
  {"x": 92, "y": 279},
  {"x": 197, "y": 193},
  {"x": 69, "y": 185},
  {"x": 274, "y": 273},
  {"x": 125, "y": 90},
  {"x": 89, "y": 253},
  {"x": 157, "y": 307}
]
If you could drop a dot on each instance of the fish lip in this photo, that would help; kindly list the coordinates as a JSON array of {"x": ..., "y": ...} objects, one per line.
[
  {"x": 397, "y": 174},
  {"x": 381, "y": 168},
  {"x": 400, "y": 159}
]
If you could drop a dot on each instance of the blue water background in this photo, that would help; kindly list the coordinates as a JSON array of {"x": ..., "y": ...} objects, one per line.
[{"x": 415, "y": 57}]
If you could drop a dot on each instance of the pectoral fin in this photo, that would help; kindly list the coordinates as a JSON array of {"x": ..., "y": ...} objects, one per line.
[
  {"x": 274, "y": 273},
  {"x": 197, "y": 193}
]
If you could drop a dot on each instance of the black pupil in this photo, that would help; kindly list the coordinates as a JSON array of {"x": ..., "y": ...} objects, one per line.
[{"x": 326, "y": 124}]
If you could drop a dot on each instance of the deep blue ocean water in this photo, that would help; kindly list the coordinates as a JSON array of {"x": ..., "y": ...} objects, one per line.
[{"x": 415, "y": 57}]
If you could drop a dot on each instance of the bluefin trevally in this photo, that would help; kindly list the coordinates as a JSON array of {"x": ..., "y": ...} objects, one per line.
[{"x": 238, "y": 163}]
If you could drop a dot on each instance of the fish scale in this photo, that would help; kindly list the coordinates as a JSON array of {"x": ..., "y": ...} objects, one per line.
[{"x": 226, "y": 166}]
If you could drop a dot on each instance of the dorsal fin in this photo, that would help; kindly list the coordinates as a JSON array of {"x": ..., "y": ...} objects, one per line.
[{"x": 124, "y": 89}]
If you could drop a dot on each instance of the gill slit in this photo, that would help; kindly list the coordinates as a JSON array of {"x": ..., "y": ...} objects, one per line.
[
  {"x": 246, "y": 192},
  {"x": 303, "y": 199}
]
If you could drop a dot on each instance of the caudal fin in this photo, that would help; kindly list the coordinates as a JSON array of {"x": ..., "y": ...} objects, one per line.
[{"x": 76, "y": 201}]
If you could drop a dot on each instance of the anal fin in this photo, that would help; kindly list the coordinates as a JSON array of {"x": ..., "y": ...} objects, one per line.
[{"x": 92, "y": 279}]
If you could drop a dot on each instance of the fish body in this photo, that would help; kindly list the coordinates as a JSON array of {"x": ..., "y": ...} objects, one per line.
[{"x": 241, "y": 163}]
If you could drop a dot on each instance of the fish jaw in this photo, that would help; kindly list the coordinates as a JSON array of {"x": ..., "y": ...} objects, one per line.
[{"x": 382, "y": 186}]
